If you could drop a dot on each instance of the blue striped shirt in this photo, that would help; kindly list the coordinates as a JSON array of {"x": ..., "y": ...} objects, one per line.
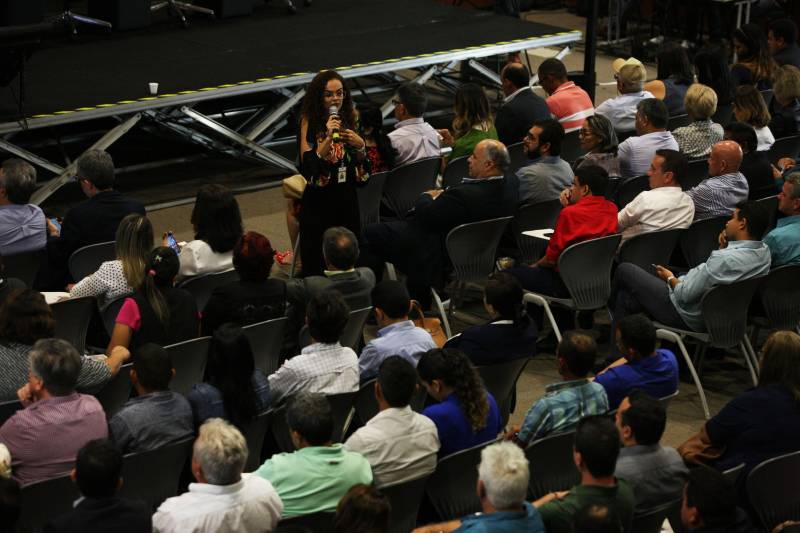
[
  {"x": 561, "y": 407},
  {"x": 718, "y": 196}
]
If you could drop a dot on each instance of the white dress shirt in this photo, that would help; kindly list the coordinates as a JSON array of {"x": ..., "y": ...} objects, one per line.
[
  {"x": 197, "y": 258},
  {"x": 414, "y": 139},
  {"x": 320, "y": 368},
  {"x": 399, "y": 444},
  {"x": 765, "y": 138},
  {"x": 621, "y": 111},
  {"x": 251, "y": 505},
  {"x": 656, "y": 209}
]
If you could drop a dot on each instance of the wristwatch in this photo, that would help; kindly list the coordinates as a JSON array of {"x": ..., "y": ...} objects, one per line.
[{"x": 669, "y": 279}]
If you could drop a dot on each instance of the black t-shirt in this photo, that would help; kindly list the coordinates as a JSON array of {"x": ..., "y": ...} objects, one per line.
[
  {"x": 243, "y": 303},
  {"x": 182, "y": 324}
]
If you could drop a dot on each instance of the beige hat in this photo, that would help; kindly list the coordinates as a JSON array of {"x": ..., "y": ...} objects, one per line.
[{"x": 631, "y": 70}]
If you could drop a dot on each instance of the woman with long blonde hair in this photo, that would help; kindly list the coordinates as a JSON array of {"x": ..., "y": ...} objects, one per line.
[{"x": 472, "y": 122}]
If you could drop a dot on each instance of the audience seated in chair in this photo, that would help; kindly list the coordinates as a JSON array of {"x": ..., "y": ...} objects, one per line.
[
  {"x": 156, "y": 416},
  {"x": 756, "y": 166},
  {"x": 709, "y": 504},
  {"x": 98, "y": 475},
  {"x": 665, "y": 205},
  {"x": 696, "y": 139},
  {"x": 397, "y": 334},
  {"x": 635, "y": 153},
  {"x": 234, "y": 389},
  {"x": 782, "y": 42},
  {"x": 159, "y": 312},
  {"x": 25, "y": 318},
  {"x": 91, "y": 222},
  {"x": 415, "y": 246},
  {"x": 363, "y": 509},
  {"x": 656, "y": 473},
  {"x": 725, "y": 187},
  {"x": 22, "y": 225},
  {"x": 254, "y": 297},
  {"x": 325, "y": 366},
  {"x": 596, "y": 519},
  {"x": 678, "y": 303},
  {"x": 124, "y": 275},
  {"x": 599, "y": 142},
  {"x": 621, "y": 110},
  {"x": 786, "y": 102},
  {"x": 547, "y": 174},
  {"x": 595, "y": 453},
  {"x": 45, "y": 436},
  {"x": 564, "y": 404},
  {"x": 641, "y": 366},
  {"x": 223, "y": 499},
  {"x": 466, "y": 413},
  {"x": 503, "y": 476},
  {"x": 316, "y": 476},
  {"x": 412, "y": 138},
  {"x": 784, "y": 240},
  {"x": 472, "y": 122},
  {"x": 749, "y": 108},
  {"x": 521, "y": 106},
  {"x": 399, "y": 444},
  {"x": 758, "y": 424},
  {"x": 568, "y": 103},
  {"x": 510, "y": 335}
]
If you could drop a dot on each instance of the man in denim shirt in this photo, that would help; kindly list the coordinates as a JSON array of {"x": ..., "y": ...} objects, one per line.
[
  {"x": 156, "y": 416},
  {"x": 784, "y": 240}
]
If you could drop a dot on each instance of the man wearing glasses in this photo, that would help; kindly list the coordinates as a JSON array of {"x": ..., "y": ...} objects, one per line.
[{"x": 412, "y": 138}]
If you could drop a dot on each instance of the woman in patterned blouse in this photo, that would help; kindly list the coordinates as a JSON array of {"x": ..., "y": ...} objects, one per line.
[{"x": 696, "y": 139}]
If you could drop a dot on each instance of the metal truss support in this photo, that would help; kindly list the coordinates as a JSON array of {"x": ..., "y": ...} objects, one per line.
[
  {"x": 489, "y": 74},
  {"x": 422, "y": 79},
  {"x": 275, "y": 117},
  {"x": 30, "y": 157}
]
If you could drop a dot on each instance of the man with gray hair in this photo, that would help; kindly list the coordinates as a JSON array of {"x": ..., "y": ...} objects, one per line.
[
  {"x": 56, "y": 421},
  {"x": 784, "y": 240},
  {"x": 621, "y": 111},
  {"x": 223, "y": 499},
  {"x": 22, "y": 225},
  {"x": 502, "y": 486}
]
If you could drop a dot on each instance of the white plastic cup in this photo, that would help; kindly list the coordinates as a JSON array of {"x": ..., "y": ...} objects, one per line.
[{"x": 153, "y": 88}]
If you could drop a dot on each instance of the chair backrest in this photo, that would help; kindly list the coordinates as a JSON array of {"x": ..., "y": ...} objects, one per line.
[
  {"x": 654, "y": 247},
  {"x": 786, "y": 147},
  {"x": 111, "y": 311},
  {"x": 45, "y": 500},
  {"x": 766, "y": 94},
  {"x": 551, "y": 464},
  {"x": 153, "y": 476},
  {"x": 612, "y": 188},
  {"x": 266, "y": 340},
  {"x": 23, "y": 266},
  {"x": 534, "y": 216},
  {"x": 369, "y": 198},
  {"x": 321, "y": 522},
  {"x": 472, "y": 247},
  {"x": 87, "y": 260},
  {"x": 352, "y": 334},
  {"x": 501, "y": 381},
  {"x": 585, "y": 268},
  {"x": 519, "y": 158},
  {"x": 405, "y": 499},
  {"x": 733, "y": 474},
  {"x": 696, "y": 172},
  {"x": 7, "y": 410},
  {"x": 72, "y": 317},
  {"x": 203, "y": 285},
  {"x": 678, "y": 121},
  {"x": 780, "y": 298},
  {"x": 700, "y": 239},
  {"x": 254, "y": 434},
  {"x": 451, "y": 488},
  {"x": 189, "y": 361},
  {"x": 773, "y": 487},
  {"x": 630, "y": 189},
  {"x": 366, "y": 405},
  {"x": 342, "y": 407},
  {"x": 770, "y": 203},
  {"x": 725, "y": 311},
  {"x": 571, "y": 147},
  {"x": 406, "y": 182},
  {"x": 651, "y": 520},
  {"x": 116, "y": 392},
  {"x": 279, "y": 430},
  {"x": 456, "y": 170}
]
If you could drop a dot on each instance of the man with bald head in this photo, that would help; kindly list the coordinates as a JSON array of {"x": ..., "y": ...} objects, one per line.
[
  {"x": 521, "y": 107},
  {"x": 725, "y": 187},
  {"x": 415, "y": 245}
]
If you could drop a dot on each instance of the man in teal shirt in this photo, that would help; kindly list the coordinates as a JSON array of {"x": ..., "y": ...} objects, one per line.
[
  {"x": 784, "y": 240},
  {"x": 316, "y": 476}
]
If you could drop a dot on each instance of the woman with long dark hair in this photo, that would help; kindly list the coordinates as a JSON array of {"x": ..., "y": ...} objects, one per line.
[
  {"x": 379, "y": 149},
  {"x": 755, "y": 65},
  {"x": 675, "y": 74},
  {"x": 234, "y": 388},
  {"x": 467, "y": 414},
  {"x": 472, "y": 122}
]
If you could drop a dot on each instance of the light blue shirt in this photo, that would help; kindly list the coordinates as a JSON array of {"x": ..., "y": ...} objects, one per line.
[
  {"x": 22, "y": 229},
  {"x": 543, "y": 179},
  {"x": 719, "y": 195},
  {"x": 740, "y": 260},
  {"x": 562, "y": 407},
  {"x": 784, "y": 241},
  {"x": 636, "y": 153},
  {"x": 402, "y": 338},
  {"x": 621, "y": 111}
]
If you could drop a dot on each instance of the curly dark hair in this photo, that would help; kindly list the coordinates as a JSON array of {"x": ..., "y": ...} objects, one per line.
[
  {"x": 216, "y": 218},
  {"x": 455, "y": 370},
  {"x": 25, "y": 317},
  {"x": 313, "y": 107}
]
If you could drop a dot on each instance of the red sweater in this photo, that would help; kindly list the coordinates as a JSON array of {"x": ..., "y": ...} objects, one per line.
[{"x": 591, "y": 217}]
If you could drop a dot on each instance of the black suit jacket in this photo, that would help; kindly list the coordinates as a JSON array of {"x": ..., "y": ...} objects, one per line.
[
  {"x": 103, "y": 515},
  {"x": 515, "y": 118},
  {"x": 496, "y": 343}
]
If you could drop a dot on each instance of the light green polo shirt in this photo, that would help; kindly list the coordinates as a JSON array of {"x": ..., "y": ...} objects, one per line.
[{"x": 315, "y": 478}]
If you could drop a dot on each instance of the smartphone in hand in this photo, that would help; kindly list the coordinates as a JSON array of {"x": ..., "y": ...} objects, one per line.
[{"x": 172, "y": 243}]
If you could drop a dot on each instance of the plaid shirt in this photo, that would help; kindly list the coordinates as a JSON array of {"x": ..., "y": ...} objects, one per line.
[
  {"x": 561, "y": 407},
  {"x": 320, "y": 368}
]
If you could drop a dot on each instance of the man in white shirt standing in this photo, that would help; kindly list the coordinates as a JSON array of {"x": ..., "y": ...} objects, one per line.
[
  {"x": 636, "y": 153},
  {"x": 412, "y": 138},
  {"x": 399, "y": 444},
  {"x": 621, "y": 111},
  {"x": 665, "y": 205},
  {"x": 223, "y": 500}
]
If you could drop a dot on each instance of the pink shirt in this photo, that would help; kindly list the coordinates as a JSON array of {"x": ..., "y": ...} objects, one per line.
[
  {"x": 129, "y": 314},
  {"x": 570, "y": 105}
]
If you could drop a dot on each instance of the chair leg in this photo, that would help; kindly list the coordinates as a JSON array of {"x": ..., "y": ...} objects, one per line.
[
  {"x": 440, "y": 309},
  {"x": 674, "y": 337},
  {"x": 541, "y": 302},
  {"x": 751, "y": 358}
]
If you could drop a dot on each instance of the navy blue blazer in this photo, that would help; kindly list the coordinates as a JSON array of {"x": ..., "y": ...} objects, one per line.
[{"x": 496, "y": 343}]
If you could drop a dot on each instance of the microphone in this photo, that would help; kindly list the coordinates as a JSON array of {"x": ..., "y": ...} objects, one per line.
[{"x": 333, "y": 110}]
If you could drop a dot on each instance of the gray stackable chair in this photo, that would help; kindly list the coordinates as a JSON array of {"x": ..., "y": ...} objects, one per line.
[
  {"x": 116, "y": 392},
  {"x": 203, "y": 285},
  {"x": 519, "y": 158},
  {"x": 254, "y": 434},
  {"x": 111, "y": 311},
  {"x": 501, "y": 381},
  {"x": 630, "y": 189},
  {"x": 767, "y": 95},
  {"x": 153, "y": 476},
  {"x": 724, "y": 310},
  {"x": 785, "y": 147},
  {"x": 472, "y": 248},
  {"x": 405, "y": 499},
  {"x": 45, "y": 500},
  {"x": 651, "y": 520},
  {"x": 456, "y": 170},
  {"x": 72, "y": 317},
  {"x": 773, "y": 488},
  {"x": 700, "y": 239},
  {"x": 542, "y": 215},
  {"x": 571, "y": 147},
  {"x": 266, "y": 340},
  {"x": 651, "y": 248},
  {"x": 189, "y": 361},
  {"x": 7, "y": 409},
  {"x": 353, "y": 330},
  {"x": 23, "y": 266},
  {"x": 406, "y": 182},
  {"x": 366, "y": 405},
  {"x": 451, "y": 488},
  {"x": 780, "y": 297},
  {"x": 551, "y": 464},
  {"x": 678, "y": 121},
  {"x": 585, "y": 268},
  {"x": 369, "y": 199},
  {"x": 770, "y": 203},
  {"x": 87, "y": 260},
  {"x": 279, "y": 429},
  {"x": 733, "y": 474},
  {"x": 696, "y": 172}
]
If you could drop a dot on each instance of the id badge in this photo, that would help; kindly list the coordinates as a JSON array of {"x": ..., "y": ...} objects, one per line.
[{"x": 342, "y": 176}]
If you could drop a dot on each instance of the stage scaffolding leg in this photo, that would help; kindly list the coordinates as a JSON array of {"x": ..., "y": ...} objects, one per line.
[
  {"x": 276, "y": 116},
  {"x": 489, "y": 74},
  {"x": 30, "y": 157},
  {"x": 422, "y": 79}
]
